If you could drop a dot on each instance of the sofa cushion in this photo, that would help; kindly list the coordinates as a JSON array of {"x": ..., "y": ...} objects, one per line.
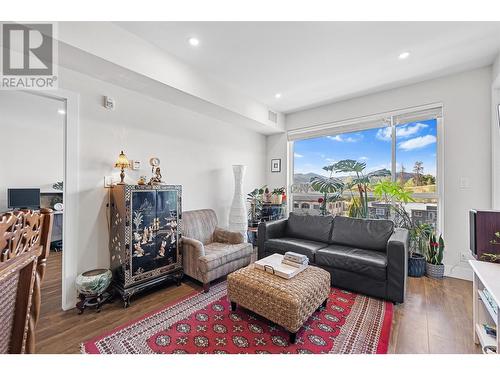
[
  {"x": 297, "y": 245},
  {"x": 366, "y": 262},
  {"x": 369, "y": 234},
  {"x": 218, "y": 254},
  {"x": 309, "y": 227}
]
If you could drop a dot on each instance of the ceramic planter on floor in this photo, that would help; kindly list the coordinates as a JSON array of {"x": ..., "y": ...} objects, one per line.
[
  {"x": 435, "y": 271},
  {"x": 416, "y": 265}
]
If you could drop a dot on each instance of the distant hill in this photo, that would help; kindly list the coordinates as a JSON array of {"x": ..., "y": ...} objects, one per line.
[{"x": 304, "y": 178}]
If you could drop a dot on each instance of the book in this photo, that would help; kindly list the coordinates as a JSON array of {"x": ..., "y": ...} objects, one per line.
[
  {"x": 295, "y": 257},
  {"x": 294, "y": 264}
]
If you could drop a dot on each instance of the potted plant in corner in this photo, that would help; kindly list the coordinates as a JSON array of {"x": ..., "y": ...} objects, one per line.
[
  {"x": 434, "y": 257},
  {"x": 396, "y": 197},
  {"x": 255, "y": 198},
  {"x": 419, "y": 238}
]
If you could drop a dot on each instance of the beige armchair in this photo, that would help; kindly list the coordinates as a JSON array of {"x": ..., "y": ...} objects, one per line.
[{"x": 210, "y": 252}]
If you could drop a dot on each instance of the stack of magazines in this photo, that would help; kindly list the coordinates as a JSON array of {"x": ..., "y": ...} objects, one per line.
[{"x": 295, "y": 260}]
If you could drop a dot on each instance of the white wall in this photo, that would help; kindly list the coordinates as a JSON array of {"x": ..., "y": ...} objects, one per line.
[
  {"x": 32, "y": 142},
  {"x": 114, "y": 45},
  {"x": 495, "y": 133},
  {"x": 195, "y": 151},
  {"x": 466, "y": 99}
]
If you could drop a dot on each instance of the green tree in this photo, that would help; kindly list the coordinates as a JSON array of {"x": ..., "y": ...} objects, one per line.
[
  {"x": 418, "y": 169},
  {"x": 360, "y": 181},
  {"x": 330, "y": 187}
]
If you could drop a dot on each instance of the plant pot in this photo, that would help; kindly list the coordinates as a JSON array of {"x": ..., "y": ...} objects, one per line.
[
  {"x": 435, "y": 271},
  {"x": 416, "y": 265},
  {"x": 277, "y": 199}
]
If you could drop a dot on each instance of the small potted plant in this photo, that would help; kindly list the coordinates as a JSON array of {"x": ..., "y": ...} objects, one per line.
[
  {"x": 434, "y": 257},
  {"x": 277, "y": 195}
]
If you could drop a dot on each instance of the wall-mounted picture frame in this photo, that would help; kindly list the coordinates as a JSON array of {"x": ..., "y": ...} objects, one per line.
[{"x": 275, "y": 165}]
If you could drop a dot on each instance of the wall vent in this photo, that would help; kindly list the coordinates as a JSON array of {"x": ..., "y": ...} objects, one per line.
[{"x": 272, "y": 116}]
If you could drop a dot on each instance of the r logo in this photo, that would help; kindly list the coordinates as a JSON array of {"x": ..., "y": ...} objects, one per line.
[{"x": 27, "y": 49}]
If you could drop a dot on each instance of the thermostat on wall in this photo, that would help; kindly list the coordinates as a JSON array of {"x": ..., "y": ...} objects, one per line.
[
  {"x": 136, "y": 164},
  {"x": 109, "y": 103}
]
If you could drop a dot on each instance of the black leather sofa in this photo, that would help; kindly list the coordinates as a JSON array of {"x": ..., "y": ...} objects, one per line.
[{"x": 362, "y": 255}]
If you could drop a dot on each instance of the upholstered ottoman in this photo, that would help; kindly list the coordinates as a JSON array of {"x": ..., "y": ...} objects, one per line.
[{"x": 288, "y": 303}]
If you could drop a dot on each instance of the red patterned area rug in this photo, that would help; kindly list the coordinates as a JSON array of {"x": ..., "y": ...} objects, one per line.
[{"x": 204, "y": 323}]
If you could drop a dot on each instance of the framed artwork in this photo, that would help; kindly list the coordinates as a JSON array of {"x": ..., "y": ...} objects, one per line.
[{"x": 275, "y": 165}]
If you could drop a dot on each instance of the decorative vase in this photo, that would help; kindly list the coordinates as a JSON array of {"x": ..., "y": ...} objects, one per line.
[
  {"x": 436, "y": 271},
  {"x": 93, "y": 283},
  {"x": 416, "y": 265},
  {"x": 238, "y": 218}
]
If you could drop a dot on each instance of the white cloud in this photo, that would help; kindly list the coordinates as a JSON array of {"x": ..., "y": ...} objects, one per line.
[
  {"x": 343, "y": 138},
  {"x": 384, "y": 134},
  {"x": 363, "y": 158},
  {"x": 407, "y": 131},
  {"x": 418, "y": 142},
  {"x": 298, "y": 155}
]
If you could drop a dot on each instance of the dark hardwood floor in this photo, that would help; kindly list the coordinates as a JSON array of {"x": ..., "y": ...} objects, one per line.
[{"x": 436, "y": 317}]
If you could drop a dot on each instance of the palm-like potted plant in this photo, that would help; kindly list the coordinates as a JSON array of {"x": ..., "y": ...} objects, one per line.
[
  {"x": 434, "y": 257},
  {"x": 396, "y": 196}
]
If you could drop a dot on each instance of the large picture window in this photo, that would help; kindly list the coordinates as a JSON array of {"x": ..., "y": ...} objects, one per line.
[{"x": 398, "y": 150}]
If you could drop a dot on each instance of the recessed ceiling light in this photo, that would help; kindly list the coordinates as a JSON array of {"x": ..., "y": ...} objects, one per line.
[
  {"x": 277, "y": 95},
  {"x": 404, "y": 55},
  {"x": 61, "y": 111},
  {"x": 194, "y": 41}
]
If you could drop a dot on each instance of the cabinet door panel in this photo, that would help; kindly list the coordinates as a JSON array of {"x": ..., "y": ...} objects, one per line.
[
  {"x": 144, "y": 233},
  {"x": 166, "y": 210}
]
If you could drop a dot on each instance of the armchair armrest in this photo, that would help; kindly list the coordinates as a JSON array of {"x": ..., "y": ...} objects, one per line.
[
  {"x": 397, "y": 264},
  {"x": 226, "y": 236},
  {"x": 268, "y": 230},
  {"x": 192, "y": 248}
]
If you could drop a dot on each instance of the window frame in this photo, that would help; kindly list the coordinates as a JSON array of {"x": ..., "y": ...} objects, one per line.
[{"x": 352, "y": 125}]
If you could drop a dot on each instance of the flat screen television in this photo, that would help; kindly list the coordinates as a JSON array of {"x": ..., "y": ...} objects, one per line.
[
  {"x": 23, "y": 198},
  {"x": 483, "y": 224}
]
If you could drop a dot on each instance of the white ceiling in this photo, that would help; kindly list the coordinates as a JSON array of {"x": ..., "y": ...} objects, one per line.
[{"x": 312, "y": 63}]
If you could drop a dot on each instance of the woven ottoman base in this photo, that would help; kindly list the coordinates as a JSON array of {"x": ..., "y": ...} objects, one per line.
[{"x": 288, "y": 303}]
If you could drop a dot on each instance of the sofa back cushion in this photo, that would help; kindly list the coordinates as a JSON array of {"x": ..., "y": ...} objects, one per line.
[
  {"x": 199, "y": 224},
  {"x": 309, "y": 227},
  {"x": 371, "y": 234}
]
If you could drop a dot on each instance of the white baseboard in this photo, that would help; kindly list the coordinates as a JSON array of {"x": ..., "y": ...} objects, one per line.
[{"x": 458, "y": 271}]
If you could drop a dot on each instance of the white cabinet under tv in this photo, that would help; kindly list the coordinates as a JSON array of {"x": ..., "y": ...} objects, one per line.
[{"x": 486, "y": 293}]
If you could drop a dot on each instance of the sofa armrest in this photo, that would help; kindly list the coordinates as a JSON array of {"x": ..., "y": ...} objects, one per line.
[
  {"x": 268, "y": 230},
  {"x": 226, "y": 236},
  {"x": 397, "y": 265}
]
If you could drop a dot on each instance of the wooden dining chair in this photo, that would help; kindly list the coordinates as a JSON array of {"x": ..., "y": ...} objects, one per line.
[{"x": 24, "y": 248}]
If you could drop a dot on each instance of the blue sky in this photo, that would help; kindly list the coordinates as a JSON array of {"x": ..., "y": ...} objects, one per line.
[{"x": 415, "y": 141}]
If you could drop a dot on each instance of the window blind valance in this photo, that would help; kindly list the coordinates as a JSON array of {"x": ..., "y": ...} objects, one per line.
[{"x": 367, "y": 122}]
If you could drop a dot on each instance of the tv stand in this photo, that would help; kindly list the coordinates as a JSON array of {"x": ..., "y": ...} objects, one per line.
[{"x": 486, "y": 277}]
